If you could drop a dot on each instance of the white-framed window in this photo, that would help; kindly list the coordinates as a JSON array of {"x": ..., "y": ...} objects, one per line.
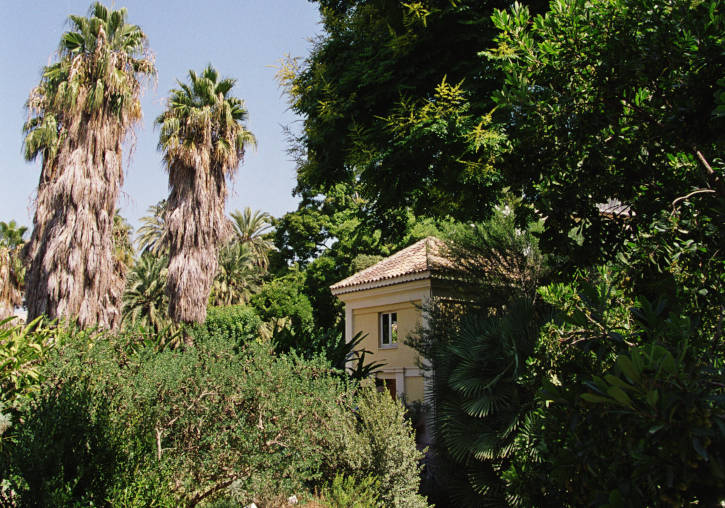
[{"x": 388, "y": 329}]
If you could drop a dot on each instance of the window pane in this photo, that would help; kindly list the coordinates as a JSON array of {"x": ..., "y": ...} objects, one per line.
[
  {"x": 385, "y": 335},
  {"x": 394, "y": 328}
]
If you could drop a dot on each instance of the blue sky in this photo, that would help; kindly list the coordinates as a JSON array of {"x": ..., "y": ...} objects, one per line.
[{"x": 243, "y": 39}]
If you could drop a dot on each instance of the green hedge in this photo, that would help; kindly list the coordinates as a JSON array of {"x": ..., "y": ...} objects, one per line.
[
  {"x": 237, "y": 324},
  {"x": 125, "y": 426}
]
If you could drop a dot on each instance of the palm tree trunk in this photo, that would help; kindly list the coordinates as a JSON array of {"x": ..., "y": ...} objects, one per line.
[
  {"x": 72, "y": 269},
  {"x": 7, "y": 293},
  {"x": 196, "y": 226}
]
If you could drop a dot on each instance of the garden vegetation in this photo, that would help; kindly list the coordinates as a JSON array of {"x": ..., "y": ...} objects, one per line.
[{"x": 570, "y": 154}]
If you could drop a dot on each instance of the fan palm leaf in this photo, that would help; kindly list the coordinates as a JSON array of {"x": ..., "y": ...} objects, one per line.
[
  {"x": 151, "y": 232},
  {"x": 12, "y": 267},
  {"x": 250, "y": 228},
  {"x": 238, "y": 276},
  {"x": 144, "y": 301}
]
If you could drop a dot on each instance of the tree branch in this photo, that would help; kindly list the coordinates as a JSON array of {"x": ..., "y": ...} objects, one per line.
[
  {"x": 211, "y": 490},
  {"x": 710, "y": 174},
  {"x": 698, "y": 191}
]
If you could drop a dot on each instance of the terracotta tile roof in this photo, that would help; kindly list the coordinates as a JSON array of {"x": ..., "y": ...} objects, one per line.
[
  {"x": 419, "y": 258},
  {"x": 615, "y": 208}
]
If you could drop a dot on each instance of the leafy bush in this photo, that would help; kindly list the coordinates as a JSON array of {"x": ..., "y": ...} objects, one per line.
[
  {"x": 22, "y": 350},
  {"x": 282, "y": 299},
  {"x": 637, "y": 367},
  {"x": 123, "y": 424},
  {"x": 387, "y": 450},
  {"x": 345, "y": 491},
  {"x": 236, "y": 323}
]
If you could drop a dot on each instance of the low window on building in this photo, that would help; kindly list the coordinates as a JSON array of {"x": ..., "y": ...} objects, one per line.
[
  {"x": 386, "y": 385},
  {"x": 388, "y": 329}
]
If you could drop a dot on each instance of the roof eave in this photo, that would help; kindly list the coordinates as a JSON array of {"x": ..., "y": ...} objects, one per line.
[{"x": 399, "y": 279}]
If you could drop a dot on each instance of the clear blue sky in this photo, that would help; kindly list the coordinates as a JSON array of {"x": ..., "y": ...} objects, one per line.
[{"x": 243, "y": 39}]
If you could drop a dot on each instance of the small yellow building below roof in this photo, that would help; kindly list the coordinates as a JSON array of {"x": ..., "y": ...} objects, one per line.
[{"x": 385, "y": 303}]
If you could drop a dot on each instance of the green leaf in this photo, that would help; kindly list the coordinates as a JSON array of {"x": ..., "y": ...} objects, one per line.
[
  {"x": 619, "y": 395},
  {"x": 655, "y": 428},
  {"x": 614, "y": 380},
  {"x": 697, "y": 445},
  {"x": 627, "y": 367},
  {"x": 652, "y": 397},
  {"x": 597, "y": 399}
]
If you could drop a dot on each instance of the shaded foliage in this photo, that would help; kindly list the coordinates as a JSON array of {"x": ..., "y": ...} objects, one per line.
[
  {"x": 609, "y": 100},
  {"x": 478, "y": 341}
]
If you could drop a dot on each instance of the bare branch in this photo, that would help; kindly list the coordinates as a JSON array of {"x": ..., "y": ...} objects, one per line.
[{"x": 698, "y": 191}]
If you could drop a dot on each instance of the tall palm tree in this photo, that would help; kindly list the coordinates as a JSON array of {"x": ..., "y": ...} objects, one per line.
[
  {"x": 151, "y": 233},
  {"x": 203, "y": 141},
  {"x": 78, "y": 117},
  {"x": 250, "y": 228},
  {"x": 12, "y": 268}
]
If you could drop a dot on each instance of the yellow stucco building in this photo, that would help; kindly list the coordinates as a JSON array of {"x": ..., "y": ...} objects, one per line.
[{"x": 385, "y": 302}]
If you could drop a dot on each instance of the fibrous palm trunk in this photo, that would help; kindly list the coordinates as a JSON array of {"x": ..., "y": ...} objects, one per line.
[
  {"x": 196, "y": 226},
  {"x": 9, "y": 295},
  {"x": 72, "y": 270}
]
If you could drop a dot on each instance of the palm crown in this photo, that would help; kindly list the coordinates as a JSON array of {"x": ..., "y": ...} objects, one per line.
[
  {"x": 101, "y": 62},
  {"x": 201, "y": 114}
]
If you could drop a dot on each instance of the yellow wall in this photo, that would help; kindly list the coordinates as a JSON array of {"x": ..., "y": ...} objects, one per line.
[
  {"x": 362, "y": 314},
  {"x": 414, "y": 388},
  {"x": 366, "y": 320}
]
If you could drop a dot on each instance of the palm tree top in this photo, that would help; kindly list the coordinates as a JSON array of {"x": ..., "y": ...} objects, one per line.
[
  {"x": 102, "y": 26},
  {"x": 202, "y": 113},
  {"x": 11, "y": 235},
  {"x": 101, "y": 61}
]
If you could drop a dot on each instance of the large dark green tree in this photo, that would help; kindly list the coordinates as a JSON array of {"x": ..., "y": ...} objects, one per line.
[
  {"x": 604, "y": 102},
  {"x": 610, "y": 101},
  {"x": 385, "y": 100}
]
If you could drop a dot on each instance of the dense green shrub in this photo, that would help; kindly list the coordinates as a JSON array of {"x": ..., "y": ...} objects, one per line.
[
  {"x": 483, "y": 386},
  {"x": 386, "y": 451},
  {"x": 22, "y": 350},
  {"x": 641, "y": 368},
  {"x": 235, "y": 323},
  {"x": 528, "y": 404},
  {"x": 283, "y": 299},
  {"x": 122, "y": 424},
  {"x": 345, "y": 491}
]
